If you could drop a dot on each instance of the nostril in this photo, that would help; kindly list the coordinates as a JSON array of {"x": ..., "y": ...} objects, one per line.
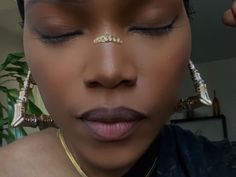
[
  {"x": 92, "y": 84},
  {"x": 128, "y": 82},
  {"x": 110, "y": 80}
]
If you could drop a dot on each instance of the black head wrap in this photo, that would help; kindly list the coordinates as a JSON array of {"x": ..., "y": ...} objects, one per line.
[{"x": 21, "y": 7}]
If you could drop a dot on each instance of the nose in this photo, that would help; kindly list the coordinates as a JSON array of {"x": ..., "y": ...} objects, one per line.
[{"x": 109, "y": 68}]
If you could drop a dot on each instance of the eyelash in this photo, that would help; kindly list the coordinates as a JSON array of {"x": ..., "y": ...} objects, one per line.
[
  {"x": 58, "y": 39},
  {"x": 158, "y": 31},
  {"x": 152, "y": 32}
]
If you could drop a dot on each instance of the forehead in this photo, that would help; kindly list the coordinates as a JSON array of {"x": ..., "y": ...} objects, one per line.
[
  {"x": 30, "y": 3},
  {"x": 106, "y": 8}
]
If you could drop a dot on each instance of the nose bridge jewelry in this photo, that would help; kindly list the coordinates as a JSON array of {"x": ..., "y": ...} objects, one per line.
[{"x": 105, "y": 38}]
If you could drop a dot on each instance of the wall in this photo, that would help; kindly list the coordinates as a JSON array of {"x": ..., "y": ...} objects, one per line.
[
  {"x": 221, "y": 76},
  {"x": 10, "y": 42}
]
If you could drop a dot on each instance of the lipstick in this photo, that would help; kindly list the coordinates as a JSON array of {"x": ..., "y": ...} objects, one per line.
[{"x": 111, "y": 124}]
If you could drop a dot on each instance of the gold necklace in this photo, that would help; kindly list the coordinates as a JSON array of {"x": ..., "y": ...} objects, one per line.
[
  {"x": 77, "y": 166},
  {"x": 70, "y": 155}
]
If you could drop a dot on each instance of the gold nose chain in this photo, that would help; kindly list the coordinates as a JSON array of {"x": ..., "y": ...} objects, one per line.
[{"x": 105, "y": 38}]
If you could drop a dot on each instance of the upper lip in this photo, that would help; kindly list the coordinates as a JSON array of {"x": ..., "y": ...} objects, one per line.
[{"x": 112, "y": 115}]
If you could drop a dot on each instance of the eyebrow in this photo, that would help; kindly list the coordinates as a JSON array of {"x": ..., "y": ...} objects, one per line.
[{"x": 31, "y": 3}]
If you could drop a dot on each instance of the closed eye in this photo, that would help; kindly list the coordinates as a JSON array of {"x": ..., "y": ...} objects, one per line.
[
  {"x": 54, "y": 39},
  {"x": 152, "y": 31}
]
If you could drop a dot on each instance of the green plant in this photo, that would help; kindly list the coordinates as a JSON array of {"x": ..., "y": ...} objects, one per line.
[{"x": 12, "y": 72}]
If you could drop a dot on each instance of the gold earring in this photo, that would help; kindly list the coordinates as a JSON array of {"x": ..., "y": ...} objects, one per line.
[
  {"x": 201, "y": 98},
  {"x": 21, "y": 119},
  {"x": 107, "y": 38}
]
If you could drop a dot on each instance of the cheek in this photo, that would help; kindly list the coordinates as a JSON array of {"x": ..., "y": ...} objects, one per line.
[
  {"x": 53, "y": 69},
  {"x": 161, "y": 64}
]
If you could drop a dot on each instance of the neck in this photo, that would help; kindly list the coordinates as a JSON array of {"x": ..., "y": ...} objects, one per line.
[
  {"x": 94, "y": 171},
  {"x": 84, "y": 167}
]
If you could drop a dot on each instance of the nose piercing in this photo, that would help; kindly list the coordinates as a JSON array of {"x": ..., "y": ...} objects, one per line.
[{"x": 107, "y": 38}]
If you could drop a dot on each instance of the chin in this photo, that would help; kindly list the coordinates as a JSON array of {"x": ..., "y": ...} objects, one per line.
[
  {"x": 117, "y": 159},
  {"x": 117, "y": 155}
]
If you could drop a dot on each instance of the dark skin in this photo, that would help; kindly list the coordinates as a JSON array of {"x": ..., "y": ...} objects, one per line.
[{"x": 74, "y": 75}]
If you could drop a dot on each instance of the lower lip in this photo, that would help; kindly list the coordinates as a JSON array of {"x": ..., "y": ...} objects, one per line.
[{"x": 110, "y": 131}]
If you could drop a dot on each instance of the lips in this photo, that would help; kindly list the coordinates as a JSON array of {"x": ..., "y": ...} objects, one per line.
[
  {"x": 110, "y": 131},
  {"x": 111, "y": 124}
]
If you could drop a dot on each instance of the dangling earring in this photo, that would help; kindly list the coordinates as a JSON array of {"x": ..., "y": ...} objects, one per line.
[
  {"x": 201, "y": 98},
  {"x": 21, "y": 119}
]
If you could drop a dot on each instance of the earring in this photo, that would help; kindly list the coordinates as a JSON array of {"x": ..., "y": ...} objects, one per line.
[
  {"x": 201, "y": 98},
  {"x": 107, "y": 38},
  {"x": 21, "y": 119}
]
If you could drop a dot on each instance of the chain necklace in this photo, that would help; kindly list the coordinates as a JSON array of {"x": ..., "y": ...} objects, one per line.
[
  {"x": 70, "y": 155},
  {"x": 76, "y": 164}
]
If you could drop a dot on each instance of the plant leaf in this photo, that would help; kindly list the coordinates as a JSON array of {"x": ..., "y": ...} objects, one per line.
[
  {"x": 21, "y": 64},
  {"x": 33, "y": 109},
  {"x": 20, "y": 81},
  {"x": 7, "y": 75},
  {"x": 6, "y": 81},
  {"x": 14, "y": 93},
  {"x": 20, "y": 132},
  {"x": 11, "y": 137},
  {"x": 10, "y": 110},
  {"x": 31, "y": 96},
  {"x": 5, "y": 137},
  {"x": 3, "y": 89},
  {"x": 14, "y": 67},
  {"x": 17, "y": 70},
  {"x": 3, "y": 122},
  {"x": 1, "y": 112},
  {"x": 11, "y": 58},
  {"x": 4, "y": 107}
]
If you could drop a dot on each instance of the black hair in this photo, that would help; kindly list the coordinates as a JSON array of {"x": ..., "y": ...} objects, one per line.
[
  {"x": 21, "y": 8},
  {"x": 20, "y": 4}
]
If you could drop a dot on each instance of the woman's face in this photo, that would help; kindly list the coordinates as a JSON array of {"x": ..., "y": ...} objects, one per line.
[{"x": 75, "y": 75}]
